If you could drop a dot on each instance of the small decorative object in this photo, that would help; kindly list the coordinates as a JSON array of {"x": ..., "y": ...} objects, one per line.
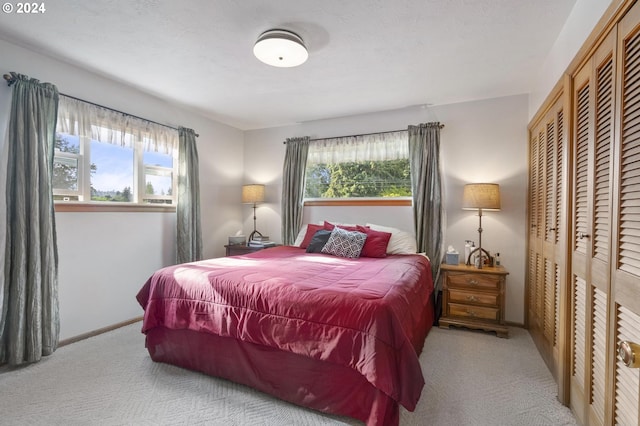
[
  {"x": 480, "y": 196},
  {"x": 253, "y": 194}
]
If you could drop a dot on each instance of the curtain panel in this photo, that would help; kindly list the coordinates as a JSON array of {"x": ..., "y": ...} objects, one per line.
[
  {"x": 189, "y": 231},
  {"x": 29, "y": 316},
  {"x": 359, "y": 148},
  {"x": 293, "y": 173},
  {"x": 426, "y": 186},
  {"x": 81, "y": 118}
]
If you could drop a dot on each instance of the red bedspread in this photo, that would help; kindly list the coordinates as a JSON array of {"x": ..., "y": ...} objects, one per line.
[{"x": 364, "y": 314}]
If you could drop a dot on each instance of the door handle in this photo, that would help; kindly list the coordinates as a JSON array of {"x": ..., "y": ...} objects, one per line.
[
  {"x": 629, "y": 354},
  {"x": 582, "y": 235}
]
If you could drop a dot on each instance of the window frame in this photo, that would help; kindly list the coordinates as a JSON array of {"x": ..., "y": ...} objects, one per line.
[{"x": 140, "y": 201}]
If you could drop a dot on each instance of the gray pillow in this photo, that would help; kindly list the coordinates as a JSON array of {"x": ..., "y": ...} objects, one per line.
[
  {"x": 318, "y": 241},
  {"x": 345, "y": 243}
]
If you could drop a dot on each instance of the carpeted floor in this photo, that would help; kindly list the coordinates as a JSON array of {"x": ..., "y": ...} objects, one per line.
[{"x": 472, "y": 378}]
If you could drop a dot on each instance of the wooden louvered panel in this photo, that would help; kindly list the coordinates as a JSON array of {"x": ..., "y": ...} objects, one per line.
[
  {"x": 539, "y": 187},
  {"x": 549, "y": 302},
  {"x": 629, "y": 223},
  {"x": 533, "y": 181},
  {"x": 558, "y": 172},
  {"x": 533, "y": 278},
  {"x": 556, "y": 308},
  {"x": 550, "y": 188},
  {"x": 627, "y": 384},
  {"x": 598, "y": 352},
  {"x": 579, "y": 326},
  {"x": 581, "y": 167},
  {"x": 540, "y": 295},
  {"x": 604, "y": 116}
]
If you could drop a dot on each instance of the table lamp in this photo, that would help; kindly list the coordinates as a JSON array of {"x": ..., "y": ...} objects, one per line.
[
  {"x": 480, "y": 196},
  {"x": 253, "y": 194}
]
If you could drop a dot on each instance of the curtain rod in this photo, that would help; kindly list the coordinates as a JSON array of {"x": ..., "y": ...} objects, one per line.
[
  {"x": 361, "y": 134},
  {"x": 10, "y": 80}
]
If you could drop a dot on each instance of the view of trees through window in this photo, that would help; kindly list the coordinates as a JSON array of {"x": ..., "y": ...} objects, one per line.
[{"x": 390, "y": 178}]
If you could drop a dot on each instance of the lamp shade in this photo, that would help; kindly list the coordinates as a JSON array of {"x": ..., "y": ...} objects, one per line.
[
  {"x": 484, "y": 196},
  {"x": 252, "y": 194},
  {"x": 280, "y": 48}
]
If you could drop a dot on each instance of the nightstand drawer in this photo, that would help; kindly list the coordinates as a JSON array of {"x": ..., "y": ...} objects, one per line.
[
  {"x": 479, "y": 312},
  {"x": 462, "y": 296},
  {"x": 483, "y": 281}
]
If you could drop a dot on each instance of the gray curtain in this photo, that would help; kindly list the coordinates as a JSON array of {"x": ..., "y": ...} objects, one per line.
[
  {"x": 189, "y": 232},
  {"x": 426, "y": 186},
  {"x": 295, "y": 163},
  {"x": 29, "y": 317}
]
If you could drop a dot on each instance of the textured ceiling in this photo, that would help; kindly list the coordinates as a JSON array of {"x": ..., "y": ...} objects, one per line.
[{"x": 365, "y": 55}]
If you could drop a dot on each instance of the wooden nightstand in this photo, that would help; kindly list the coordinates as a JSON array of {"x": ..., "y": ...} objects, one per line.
[
  {"x": 234, "y": 250},
  {"x": 474, "y": 298}
]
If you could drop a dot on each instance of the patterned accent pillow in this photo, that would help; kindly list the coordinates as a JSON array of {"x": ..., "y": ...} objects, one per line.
[{"x": 345, "y": 243}]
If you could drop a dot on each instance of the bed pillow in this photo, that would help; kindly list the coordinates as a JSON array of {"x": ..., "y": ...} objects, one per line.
[
  {"x": 309, "y": 233},
  {"x": 318, "y": 241},
  {"x": 376, "y": 243},
  {"x": 329, "y": 226},
  {"x": 345, "y": 243},
  {"x": 401, "y": 242}
]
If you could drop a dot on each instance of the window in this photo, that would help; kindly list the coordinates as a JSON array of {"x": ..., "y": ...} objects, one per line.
[
  {"x": 104, "y": 156},
  {"x": 364, "y": 166}
]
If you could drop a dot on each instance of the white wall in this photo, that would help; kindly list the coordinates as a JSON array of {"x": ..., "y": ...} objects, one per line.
[
  {"x": 483, "y": 141},
  {"x": 105, "y": 258},
  {"x": 582, "y": 20}
]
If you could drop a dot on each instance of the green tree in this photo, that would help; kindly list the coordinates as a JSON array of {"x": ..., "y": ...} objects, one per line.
[
  {"x": 389, "y": 178},
  {"x": 150, "y": 190}
]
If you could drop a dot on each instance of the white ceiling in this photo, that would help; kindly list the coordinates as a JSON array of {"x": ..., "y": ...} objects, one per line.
[{"x": 365, "y": 55}]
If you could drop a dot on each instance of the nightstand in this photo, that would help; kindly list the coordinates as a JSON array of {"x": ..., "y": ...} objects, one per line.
[
  {"x": 474, "y": 298},
  {"x": 234, "y": 250}
]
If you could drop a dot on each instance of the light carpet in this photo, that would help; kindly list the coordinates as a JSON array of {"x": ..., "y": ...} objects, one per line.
[{"x": 472, "y": 378}]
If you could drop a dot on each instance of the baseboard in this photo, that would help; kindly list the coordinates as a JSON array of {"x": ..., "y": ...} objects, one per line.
[
  {"x": 97, "y": 332},
  {"x": 514, "y": 324}
]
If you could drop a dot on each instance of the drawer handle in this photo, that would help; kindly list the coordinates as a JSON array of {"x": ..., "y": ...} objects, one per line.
[
  {"x": 472, "y": 313},
  {"x": 472, "y": 298},
  {"x": 473, "y": 282},
  {"x": 629, "y": 354}
]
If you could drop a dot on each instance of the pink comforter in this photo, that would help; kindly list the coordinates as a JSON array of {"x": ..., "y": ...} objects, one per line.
[{"x": 364, "y": 313}]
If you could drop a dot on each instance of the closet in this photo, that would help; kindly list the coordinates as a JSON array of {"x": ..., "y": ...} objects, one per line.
[{"x": 583, "y": 274}]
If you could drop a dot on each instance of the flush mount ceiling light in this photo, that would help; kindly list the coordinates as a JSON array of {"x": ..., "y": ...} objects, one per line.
[{"x": 280, "y": 48}]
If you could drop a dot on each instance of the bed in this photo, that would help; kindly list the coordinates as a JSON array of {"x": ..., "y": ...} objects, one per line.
[{"x": 338, "y": 335}]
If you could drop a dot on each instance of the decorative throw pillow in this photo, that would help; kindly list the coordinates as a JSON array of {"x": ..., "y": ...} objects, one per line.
[
  {"x": 401, "y": 242},
  {"x": 311, "y": 231},
  {"x": 318, "y": 241},
  {"x": 329, "y": 226},
  {"x": 376, "y": 243},
  {"x": 345, "y": 243}
]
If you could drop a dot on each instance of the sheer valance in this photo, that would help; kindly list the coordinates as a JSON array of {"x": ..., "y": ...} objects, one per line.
[
  {"x": 79, "y": 118},
  {"x": 372, "y": 147}
]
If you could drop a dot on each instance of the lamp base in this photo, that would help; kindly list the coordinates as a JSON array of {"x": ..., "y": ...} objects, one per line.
[
  {"x": 253, "y": 234},
  {"x": 481, "y": 250}
]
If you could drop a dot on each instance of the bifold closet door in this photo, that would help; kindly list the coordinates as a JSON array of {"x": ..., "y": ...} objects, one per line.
[
  {"x": 547, "y": 238},
  {"x": 593, "y": 112},
  {"x": 625, "y": 311}
]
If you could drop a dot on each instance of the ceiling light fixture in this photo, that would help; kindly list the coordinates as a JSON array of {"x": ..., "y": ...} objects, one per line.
[{"x": 280, "y": 48}]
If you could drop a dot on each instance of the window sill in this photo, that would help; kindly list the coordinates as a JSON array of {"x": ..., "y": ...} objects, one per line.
[
  {"x": 365, "y": 202},
  {"x": 111, "y": 207}
]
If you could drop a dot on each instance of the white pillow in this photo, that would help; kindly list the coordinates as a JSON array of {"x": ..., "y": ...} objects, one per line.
[{"x": 401, "y": 242}]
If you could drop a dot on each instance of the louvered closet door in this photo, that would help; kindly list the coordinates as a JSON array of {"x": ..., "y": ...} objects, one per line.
[
  {"x": 546, "y": 261},
  {"x": 590, "y": 285},
  {"x": 625, "y": 311}
]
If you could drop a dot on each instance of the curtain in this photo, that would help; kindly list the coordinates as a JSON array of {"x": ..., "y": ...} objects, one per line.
[
  {"x": 426, "y": 186},
  {"x": 81, "y": 118},
  {"x": 295, "y": 163},
  {"x": 371, "y": 147},
  {"x": 29, "y": 317},
  {"x": 189, "y": 232}
]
